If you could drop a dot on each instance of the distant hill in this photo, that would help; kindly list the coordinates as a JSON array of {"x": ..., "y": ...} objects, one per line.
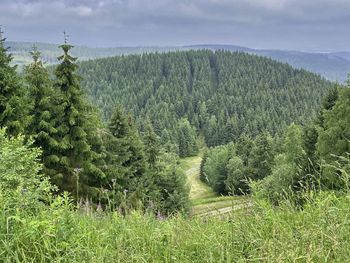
[
  {"x": 333, "y": 66},
  {"x": 223, "y": 94}
]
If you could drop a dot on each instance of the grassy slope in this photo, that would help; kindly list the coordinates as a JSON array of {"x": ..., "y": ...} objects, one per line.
[
  {"x": 204, "y": 200},
  {"x": 265, "y": 233}
]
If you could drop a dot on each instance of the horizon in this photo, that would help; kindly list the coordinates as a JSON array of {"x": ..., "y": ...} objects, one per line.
[{"x": 181, "y": 46}]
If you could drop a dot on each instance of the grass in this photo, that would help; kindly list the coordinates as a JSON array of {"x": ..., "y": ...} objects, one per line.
[
  {"x": 57, "y": 232},
  {"x": 199, "y": 190},
  {"x": 203, "y": 198},
  {"x": 217, "y": 204},
  {"x": 318, "y": 233}
]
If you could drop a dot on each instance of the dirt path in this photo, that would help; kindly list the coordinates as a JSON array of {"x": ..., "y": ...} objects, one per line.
[{"x": 225, "y": 210}]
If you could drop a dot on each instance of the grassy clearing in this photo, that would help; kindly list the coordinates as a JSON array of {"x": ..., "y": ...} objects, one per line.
[
  {"x": 203, "y": 198},
  {"x": 199, "y": 190}
]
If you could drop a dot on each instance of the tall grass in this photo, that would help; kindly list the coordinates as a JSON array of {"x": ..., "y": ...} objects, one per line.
[{"x": 317, "y": 233}]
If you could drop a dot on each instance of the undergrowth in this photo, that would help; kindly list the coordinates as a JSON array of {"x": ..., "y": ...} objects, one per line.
[{"x": 60, "y": 233}]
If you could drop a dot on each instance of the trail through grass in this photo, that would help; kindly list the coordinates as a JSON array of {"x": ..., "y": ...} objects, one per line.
[
  {"x": 199, "y": 190},
  {"x": 204, "y": 200}
]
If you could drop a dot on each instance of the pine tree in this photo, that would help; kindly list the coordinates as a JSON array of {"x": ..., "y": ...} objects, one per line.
[
  {"x": 74, "y": 150},
  {"x": 334, "y": 138},
  {"x": 261, "y": 157},
  {"x": 13, "y": 107},
  {"x": 187, "y": 139},
  {"x": 152, "y": 147},
  {"x": 126, "y": 160},
  {"x": 44, "y": 112},
  {"x": 285, "y": 177}
]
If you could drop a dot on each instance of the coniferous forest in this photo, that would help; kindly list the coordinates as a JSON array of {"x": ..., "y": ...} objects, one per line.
[
  {"x": 99, "y": 160},
  {"x": 221, "y": 94}
]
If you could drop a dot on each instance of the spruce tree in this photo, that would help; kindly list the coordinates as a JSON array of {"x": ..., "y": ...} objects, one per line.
[
  {"x": 334, "y": 139},
  {"x": 187, "y": 139},
  {"x": 126, "y": 160},
  {"x": 45, "y": 112},
  {"x": 13, "y": 107},
  {"x": 152, "y": 147},
  {"x": 77, "y": 172},
  {"x": 261, "y": 158}
]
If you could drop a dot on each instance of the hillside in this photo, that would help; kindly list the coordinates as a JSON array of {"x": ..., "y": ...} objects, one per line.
[
  {"x": 333, "y": 66},
  {"x": 222, "y": 94}
]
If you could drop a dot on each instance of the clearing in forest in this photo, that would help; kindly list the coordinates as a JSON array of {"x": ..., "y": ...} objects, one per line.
[{"x": 205, "y": 202}]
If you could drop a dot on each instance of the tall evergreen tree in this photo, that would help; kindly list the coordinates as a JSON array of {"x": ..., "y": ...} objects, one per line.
[
  {"x": 126, "y": 158},
  {"x": 44, "y": 112},
  {"x": 13, "y": 108},
  {"x": 152, "y": 147},
  {"x": 40, "y": 94},
  {"x": 74, "y": 151},
  {"x": 187, "y": 139},
  {"x": 261, "y": 158},
  {"x": 334, "y": 138}
]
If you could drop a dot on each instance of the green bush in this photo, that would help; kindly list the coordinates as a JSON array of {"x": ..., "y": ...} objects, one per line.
[{"x": 21, "y": 184}]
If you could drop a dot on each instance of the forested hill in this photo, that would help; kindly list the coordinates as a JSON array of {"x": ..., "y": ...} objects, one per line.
[
  {"x": 334, "y": 66},
  {"x": 222, "y": 94}
]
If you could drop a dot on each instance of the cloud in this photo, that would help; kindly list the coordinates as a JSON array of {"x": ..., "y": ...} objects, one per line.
[{"x": 298, "y": 21}]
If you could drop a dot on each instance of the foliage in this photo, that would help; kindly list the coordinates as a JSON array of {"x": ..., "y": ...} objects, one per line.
[
  {"x": 334, "y": 137},
  {"x": 285, "y": 172},
  {"x": 73, "y": 168},
  {"x": 140, "y": 174},
  {"x": 229, "y": 168},
  {"x": 215, "y": 167},
  {"x": 60, "y": 234},
  {"x": 187, "y": 139},
  {"x": 13, "y": 107},
  {"x": 21, "y": 184}
]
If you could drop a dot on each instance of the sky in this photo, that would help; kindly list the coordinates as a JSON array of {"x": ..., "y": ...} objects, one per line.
[{"x": 309, "y": 25}]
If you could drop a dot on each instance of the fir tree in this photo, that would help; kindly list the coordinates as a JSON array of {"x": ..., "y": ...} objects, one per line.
[
  {"x": 126, "y": 159},
  {"x": 187, "y": 139},
  {"x": 44, "y": 112},
  {"x": 261, "y": 158},
  {"x": 13, "y": 107},
  {"x": 334, "y": 138},
  {"x": 74, "y": 151},
  {"x": 152, "y": 147}
]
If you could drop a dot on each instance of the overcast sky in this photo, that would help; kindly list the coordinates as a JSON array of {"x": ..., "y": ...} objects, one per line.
[{"x": 284, "y": 24}]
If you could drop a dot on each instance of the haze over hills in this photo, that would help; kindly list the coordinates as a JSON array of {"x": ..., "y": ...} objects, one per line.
[{"x": 333, "y": 65}]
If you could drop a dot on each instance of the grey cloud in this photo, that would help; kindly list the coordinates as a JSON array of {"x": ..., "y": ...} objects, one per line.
[{"x": 262, "y": 23}]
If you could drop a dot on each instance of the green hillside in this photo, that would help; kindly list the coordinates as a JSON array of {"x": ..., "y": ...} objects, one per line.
[{"x": 222, "y": 94}]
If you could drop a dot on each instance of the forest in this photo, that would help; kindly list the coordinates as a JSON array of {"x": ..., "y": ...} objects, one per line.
[
  {"x": 92, "y": 159},
  {"x": 221, "y": 94}
]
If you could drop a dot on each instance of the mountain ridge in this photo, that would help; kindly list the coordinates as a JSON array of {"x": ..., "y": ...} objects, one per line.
[{"x": 334, "y": 66}]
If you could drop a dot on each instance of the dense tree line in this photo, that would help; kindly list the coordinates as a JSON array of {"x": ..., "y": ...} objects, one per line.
[
  {"x": 111, "y": 163},
  {"x": 222, "y": 94},
  {"x": 228, "y": 169},
  {"x": 310, "y": 157}
]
